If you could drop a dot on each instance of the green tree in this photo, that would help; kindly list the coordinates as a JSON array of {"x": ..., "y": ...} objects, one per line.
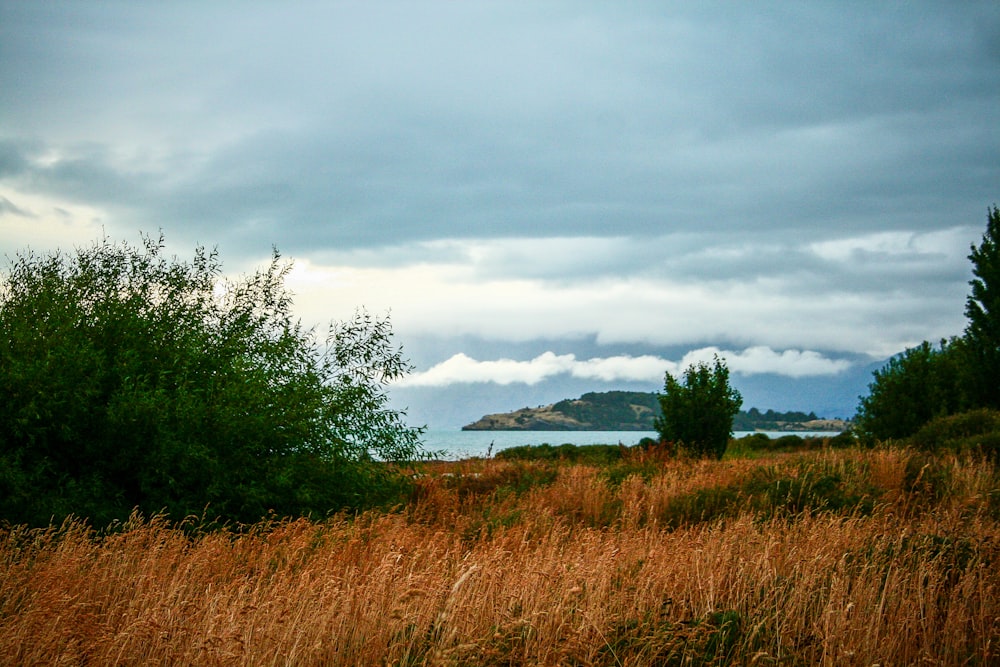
[
  {"x": 982, "y": 308},
  {"x": 698, "y": 413},
  {"x": 130, "y": 380},
  {"x": 914, "y": 387},
  {"x": 928, "y": 382}
]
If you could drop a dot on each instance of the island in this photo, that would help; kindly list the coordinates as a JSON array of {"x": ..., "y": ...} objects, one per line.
[{"x": 634, "y": 411}]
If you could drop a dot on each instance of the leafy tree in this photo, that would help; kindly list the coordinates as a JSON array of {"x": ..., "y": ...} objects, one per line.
[
  {"x": 130, "y": 380},
  {"x": 982, "y": 308},
  {"x": 698, "y": 413},
  {"x": 927, "y": 382},
  {"x": 922, "y": 383}
]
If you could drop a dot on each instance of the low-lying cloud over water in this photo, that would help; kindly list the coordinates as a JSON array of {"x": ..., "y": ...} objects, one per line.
[{"x": 461, "y": 368}]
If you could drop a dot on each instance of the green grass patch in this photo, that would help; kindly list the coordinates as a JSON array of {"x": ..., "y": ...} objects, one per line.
[
  {"x": 777, "y": 491},
  {"x": 587, "y": 454}
]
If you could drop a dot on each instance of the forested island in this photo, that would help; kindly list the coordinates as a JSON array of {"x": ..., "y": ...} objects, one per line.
[{"x": 634, "y": 411}]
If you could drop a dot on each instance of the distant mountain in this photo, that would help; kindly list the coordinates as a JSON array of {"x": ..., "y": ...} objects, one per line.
[{"x": 633, "y": 411}]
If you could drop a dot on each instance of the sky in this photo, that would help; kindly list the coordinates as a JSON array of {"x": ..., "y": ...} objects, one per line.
[{"x": 544, "y": 197}]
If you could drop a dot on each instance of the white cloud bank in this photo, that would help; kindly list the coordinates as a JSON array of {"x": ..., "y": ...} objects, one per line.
[
  {"x": 869, "y": 294},
  {"x": 461, "y": 368}
]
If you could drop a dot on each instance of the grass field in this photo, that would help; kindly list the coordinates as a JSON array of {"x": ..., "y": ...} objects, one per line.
[{"x": 836, "y": 557}]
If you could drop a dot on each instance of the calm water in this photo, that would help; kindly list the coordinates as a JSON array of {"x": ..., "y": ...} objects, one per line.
[{"x": 466, "y": 444}]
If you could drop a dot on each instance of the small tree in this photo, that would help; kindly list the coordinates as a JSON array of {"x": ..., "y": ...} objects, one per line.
[
  {"x": 698, "y": 413},
  {"x": 922, "y": 383},
  {"x": 983, "y": 310},
  {"x": 130, "y": 380}
]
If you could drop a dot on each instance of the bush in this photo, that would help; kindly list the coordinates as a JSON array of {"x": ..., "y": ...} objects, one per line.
[
  {"x": 973, "y": 431},
  {"x": 844, "y": 439},
  {"x": 698, "y": 413},
  {"x": 789, "y": 442},
  {"x": 592, "y": 454},
  {"x": 756, "y": 441},
  {"x": 131, "y": 381}
]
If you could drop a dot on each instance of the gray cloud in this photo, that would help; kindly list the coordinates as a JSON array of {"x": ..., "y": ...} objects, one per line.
[
  {"x": 350, "y": 124},
  {"x": 7, "y": 206}
]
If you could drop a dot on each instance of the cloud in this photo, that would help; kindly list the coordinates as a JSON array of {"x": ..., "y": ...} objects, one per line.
[
  {"x": 685, "y": 289},
  {"x": 461, "y": 368},
  {"x": 7, "y": 206},
  {"x": 762, "y": 359},
  {"x": 354, "y": 126},
  {"x": 738, "y": 175}
]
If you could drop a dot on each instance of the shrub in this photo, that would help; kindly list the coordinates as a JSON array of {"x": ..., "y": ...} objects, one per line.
[
  {"x": 789, "y": 442},
  {"x": 973, "y": 431},
  {"x": 130, "y": 380},
  {"x": 844, "y": 439},
  {"x": 698, "y": 412},
  {"x": 756, "y": 441},
  {"x": 593, "y": 454}
]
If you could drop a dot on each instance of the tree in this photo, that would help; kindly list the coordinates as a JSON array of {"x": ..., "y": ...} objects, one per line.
[
  {"x": 129, "y": 380},
  {"x": 698, "y": 414},
  {"x": 927, "y": 382},
  {"x": 982, "y": 308},
  {"x": 914, "y": 387}
]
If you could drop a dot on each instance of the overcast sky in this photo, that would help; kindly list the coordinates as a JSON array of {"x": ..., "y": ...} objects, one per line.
[{"x": 534, "y": 190}]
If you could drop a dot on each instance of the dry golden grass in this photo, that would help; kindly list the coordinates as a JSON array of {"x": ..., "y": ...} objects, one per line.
[{"x": 511, "y": 564}]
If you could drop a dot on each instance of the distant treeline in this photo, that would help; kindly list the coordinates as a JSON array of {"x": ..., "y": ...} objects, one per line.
[
  {"x": 754, "y": 419},
  {"x": 624, "y": 410},
  {"x": 613, "y": 410}
]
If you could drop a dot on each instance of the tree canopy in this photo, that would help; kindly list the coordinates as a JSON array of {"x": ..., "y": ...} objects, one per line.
[
  {"x": 130, "y": 380},
  {"x": 928, "y": 382},
  {"x": 698, "y": 412},
  {"x": 982, "y": 309},
  {"x": 921, "y": 384}
]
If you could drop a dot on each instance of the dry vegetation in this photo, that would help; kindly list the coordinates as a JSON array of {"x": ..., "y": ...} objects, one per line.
[{"x": 836, "y": 557}]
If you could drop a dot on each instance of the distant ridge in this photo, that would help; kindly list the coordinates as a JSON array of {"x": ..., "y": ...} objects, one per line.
[{"x": 634, "y": 411}]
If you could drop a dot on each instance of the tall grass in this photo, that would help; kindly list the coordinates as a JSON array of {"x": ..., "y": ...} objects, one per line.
[{"x": 505, "y": 563}]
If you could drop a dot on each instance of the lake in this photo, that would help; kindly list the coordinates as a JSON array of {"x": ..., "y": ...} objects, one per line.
[{"x": 467, "y": 444}]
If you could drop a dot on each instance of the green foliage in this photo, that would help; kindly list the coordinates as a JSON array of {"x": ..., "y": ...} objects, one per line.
[
  {"x": 128, "y": 380},
  {"x": 612, "y": 410},
  {"x": 916, "y": 386},
  {"x": 777, "y": 491},
  {"x": 926, "y": 382},
  {"x": 841, "y": 440},
  {"x": 618, "y": 472},
  {"x": 754, "y": 419},
  {"x": 790, "y": 441},
  {"x": 758, "y": 443},
  {"x": 510, "y": 480},
  {"x": 698, "y": 413},
  {"x": 982, "y": 308},
  {"x": 589, "y": 454},
  {"x": 975, "y": 431}
]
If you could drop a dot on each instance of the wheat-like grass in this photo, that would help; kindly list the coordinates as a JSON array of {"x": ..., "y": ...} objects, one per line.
[{"x": 575, "y": 571}]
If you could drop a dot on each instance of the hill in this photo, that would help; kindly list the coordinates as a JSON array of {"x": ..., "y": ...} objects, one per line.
[{"x": 633, "y": 411}]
